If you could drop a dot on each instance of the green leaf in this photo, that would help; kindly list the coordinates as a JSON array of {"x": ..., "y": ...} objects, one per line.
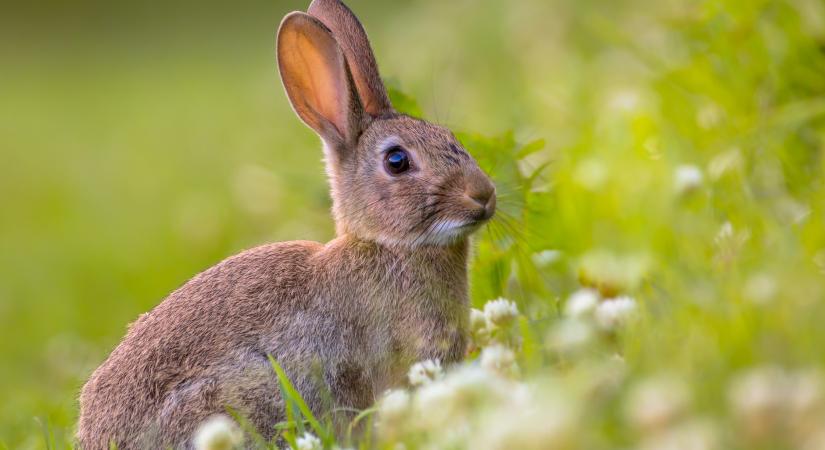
[
  {"x": 288, "y": 390},
  {"x": 530, "y": 148}
]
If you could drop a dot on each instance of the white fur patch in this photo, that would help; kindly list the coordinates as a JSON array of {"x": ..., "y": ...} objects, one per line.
[
  {"x": 446, "y": 231},
  {"x": 387, "y": 142}
]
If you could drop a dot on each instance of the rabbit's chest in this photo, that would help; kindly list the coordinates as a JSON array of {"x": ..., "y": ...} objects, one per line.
[{"x": 429, "y": 325}]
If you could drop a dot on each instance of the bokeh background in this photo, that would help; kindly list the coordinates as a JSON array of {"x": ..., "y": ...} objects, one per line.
[{"x": 142, "y": 142}]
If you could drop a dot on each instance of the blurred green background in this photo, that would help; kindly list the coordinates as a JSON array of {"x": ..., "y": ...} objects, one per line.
[{"x": 141, "y": 143}]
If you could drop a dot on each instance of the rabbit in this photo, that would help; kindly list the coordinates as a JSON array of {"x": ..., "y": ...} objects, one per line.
[{"x": 344, "y": 319}]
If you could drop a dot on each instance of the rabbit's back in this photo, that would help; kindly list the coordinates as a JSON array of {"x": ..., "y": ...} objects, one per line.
[{"x": 203, "y": 348}]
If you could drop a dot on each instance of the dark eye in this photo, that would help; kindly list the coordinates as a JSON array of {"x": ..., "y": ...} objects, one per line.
[{"x": 397, "y": 161}]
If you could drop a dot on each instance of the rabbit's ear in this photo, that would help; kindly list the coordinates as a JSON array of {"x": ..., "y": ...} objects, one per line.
[
  {"x": 353, "y": 40},
  {"x": 317, "y": 79}
]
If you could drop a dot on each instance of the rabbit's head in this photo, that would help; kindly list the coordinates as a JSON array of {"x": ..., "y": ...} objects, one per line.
[{"x": 395, "y": 179}]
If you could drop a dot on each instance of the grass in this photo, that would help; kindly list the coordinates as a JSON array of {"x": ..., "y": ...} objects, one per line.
[{"x": 669, "y": 153}]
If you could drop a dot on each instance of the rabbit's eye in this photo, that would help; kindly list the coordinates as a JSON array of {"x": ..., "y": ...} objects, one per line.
[{"x": 397, "y": 161}]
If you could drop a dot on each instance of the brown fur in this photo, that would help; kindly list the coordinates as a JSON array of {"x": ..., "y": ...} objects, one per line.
[{"x": 345, "y": 319}]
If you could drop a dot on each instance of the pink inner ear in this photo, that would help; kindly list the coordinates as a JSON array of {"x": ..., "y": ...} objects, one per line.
[{"x": 318, "y": 74}]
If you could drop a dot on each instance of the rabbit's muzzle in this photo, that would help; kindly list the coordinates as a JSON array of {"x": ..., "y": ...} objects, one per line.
[{"x": 480, "y": 196}]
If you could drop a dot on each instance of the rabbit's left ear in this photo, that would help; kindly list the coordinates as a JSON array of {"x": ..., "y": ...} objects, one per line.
[
  {"x": 317, "y": 79},
  {"x": 350, "y": 34}
]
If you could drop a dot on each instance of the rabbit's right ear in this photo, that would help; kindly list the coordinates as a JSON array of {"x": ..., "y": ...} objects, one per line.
[
  {"x": 352, "y": 37},
  {"x": 317, "y": 79}
]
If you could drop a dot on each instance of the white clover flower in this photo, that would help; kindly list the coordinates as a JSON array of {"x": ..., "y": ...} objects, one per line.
[
  {"x": 624, "y": 100},
  {"x": 546, "y": 257},
  {"x": 498, "y": 358},
  {"x": 591, "y": 174},
  {"x": 806, "y": 405},
  {"x": 547, "y": 421},
  {"x": 434, "y": 404},
  {"x": 806, "y": 392},
  {"x": 581, "y": 302},
  {"x": 308, "y": 442},
  {"x": 760, "y": 288},
  {"x": 218, "y": 433},
  {"x": 725, "y": 232},
  {"x": 394, "y": 404},
  {"x": 611, "y": 273},
  {"x": 500, "y": 312},
  {"x": 472, "y": 381},
  {"x": 478, "y": 321},
  {"x": 570, "y": 335},
  {"x": 425, "y": 372},
  {"x": 656, "y": 403},
  {"x": 452, "y": 400},
  {"x": 687, "y": 178},
  {"x": 757, "y": 399},
  {"x": 614, "y": 312},
  {"x": 697, "y": 434},
  {"x": 479, "y": 331}
]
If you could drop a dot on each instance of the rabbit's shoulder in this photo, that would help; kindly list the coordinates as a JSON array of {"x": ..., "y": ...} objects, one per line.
[{"x": 278, "y": 272}]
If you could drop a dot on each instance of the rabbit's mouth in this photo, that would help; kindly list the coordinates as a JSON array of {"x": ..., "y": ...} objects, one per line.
[{"x": 449, "y": 230}]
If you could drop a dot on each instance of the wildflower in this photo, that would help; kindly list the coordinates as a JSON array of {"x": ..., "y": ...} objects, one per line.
[
  {"x": 729, "y": 242},
  {"x": 570, "y": 335},
  {"x": 469, "y": 382},
  {"x": 757, "y": 398},
  {"x": 547, "y": 421},
  {"x": 218, "y": 433},
  {"x": 477, "y": 320},
  {"x": 582, "y": 302},
  {"x": 546, "y": 257},
  {"x": 760, "y": 288},
  {"x": 657, "y": 402},
  {"x": 308, "y": 442},
  {"x": 498, "y": 359},
  {"x": 625, "y": 100},
  {"x": 479, "y": 332},
  {"x": 500, "y": 312},
  {"x": 435, "y": 404},
  {"x": 424, "y": 372},
  {"x": 697, "y": 434},
  {"x": 806, "y": 404},
  {"x": 591, "y": 174},
  {"x": 688, "y": 178},
  {"x": 613, "y": 312},
  {"x": 611, "y": 273},
  {"x": 394, "y": 404},
  {"x": 452, "y": 399}
]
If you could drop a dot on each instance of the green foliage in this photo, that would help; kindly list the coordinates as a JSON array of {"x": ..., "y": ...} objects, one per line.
[{"x": 297, "y": 410}]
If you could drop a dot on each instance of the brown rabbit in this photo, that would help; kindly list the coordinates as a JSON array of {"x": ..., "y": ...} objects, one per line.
[{"x": 345, "y": 319}]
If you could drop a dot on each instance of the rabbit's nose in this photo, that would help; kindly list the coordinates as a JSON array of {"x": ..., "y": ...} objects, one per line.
[{"x": 483, "y": 194}]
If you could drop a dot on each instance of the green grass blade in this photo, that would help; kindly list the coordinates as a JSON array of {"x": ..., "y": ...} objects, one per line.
[{"x": 288, "y": 389}]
